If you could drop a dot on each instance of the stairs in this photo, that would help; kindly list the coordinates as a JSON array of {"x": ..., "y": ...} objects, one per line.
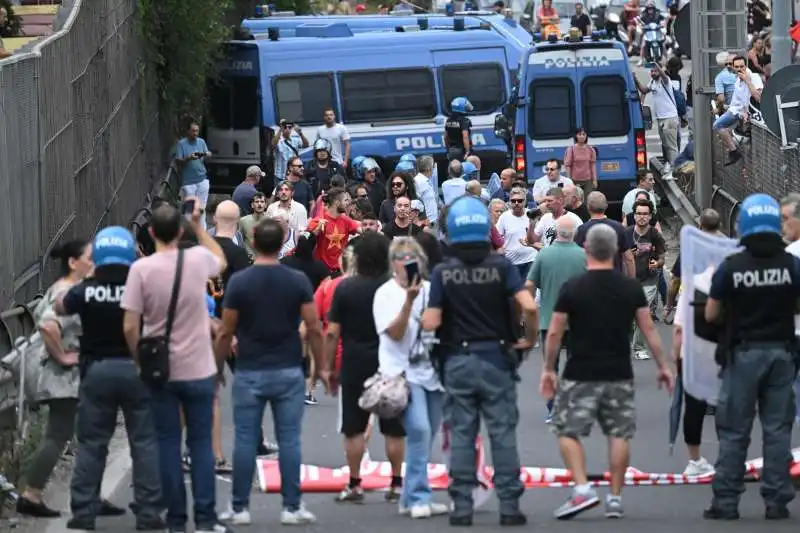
[{"x": 36, "y": 20}]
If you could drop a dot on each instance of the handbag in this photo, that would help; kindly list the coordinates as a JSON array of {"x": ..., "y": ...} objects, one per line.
[
  {"x": 385, "y": 396},
  {"x": 154, "y": 351}
]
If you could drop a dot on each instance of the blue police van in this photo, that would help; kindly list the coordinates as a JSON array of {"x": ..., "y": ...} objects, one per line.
[
  {"x": 391, "y": 89},
  {"x": 505, "y": 26},
  {"x": 572, "y": 83}
]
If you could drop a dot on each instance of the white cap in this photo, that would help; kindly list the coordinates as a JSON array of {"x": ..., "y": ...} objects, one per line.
[
  {"x": 417, "y": 205},
  {"x": 722, "y": 58},
  {"x": 255, "y": 170}
]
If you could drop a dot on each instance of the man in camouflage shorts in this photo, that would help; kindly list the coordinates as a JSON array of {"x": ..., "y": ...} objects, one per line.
[{"x": 599, "y": 307}]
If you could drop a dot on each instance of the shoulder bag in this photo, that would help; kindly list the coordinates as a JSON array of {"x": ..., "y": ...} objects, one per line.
[{"x": 154, "y": 351}]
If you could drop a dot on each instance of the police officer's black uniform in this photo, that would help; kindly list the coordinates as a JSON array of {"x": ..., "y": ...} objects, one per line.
[
  {"x": 454, "y": 127},
  {"x": 472, "y": 289},
  {"x": 758, "y": 289},
  {"x": 109, "y": 382}
]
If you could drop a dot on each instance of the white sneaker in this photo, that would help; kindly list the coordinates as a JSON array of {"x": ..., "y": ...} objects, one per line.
[
  {"x": 666, "y": 169},
  {"x": 429, "y": 510},
  {"x": 242, "y": 518},
  {"x": 298, "y": 517},
  {"x": 698, "y": 468},
  {"x": 402, "y": 510}
]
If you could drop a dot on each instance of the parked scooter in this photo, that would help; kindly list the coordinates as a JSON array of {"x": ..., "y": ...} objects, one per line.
[
  {"x": 654, "y": 40},
  {"x": 606, "y": 20}
]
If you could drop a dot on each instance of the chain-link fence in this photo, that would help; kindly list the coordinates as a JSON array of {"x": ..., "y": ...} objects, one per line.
[
  {"x": 766, "y": 167},
  {"x": 80, "y": 148}
]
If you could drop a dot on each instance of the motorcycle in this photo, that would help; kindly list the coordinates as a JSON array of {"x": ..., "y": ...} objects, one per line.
[
  {"x": 653, "y": 36},
  {"x": 613, "y": 27}
]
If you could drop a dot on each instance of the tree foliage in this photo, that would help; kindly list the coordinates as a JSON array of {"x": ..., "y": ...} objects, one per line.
[
  {"x": 182, "y": 41},
  {"x": 13, "y": 21}
]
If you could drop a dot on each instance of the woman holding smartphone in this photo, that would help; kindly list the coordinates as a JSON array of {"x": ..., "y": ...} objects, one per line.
[{"x": 397, "y": 308}]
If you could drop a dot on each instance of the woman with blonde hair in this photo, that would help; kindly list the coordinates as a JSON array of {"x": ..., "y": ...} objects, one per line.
[{"x": 397, "y": 308}]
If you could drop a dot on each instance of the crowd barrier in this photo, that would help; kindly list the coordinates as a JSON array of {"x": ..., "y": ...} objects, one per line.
[
  {"x": 766, "y": 167},
  {"x": 81, "y": 147}
]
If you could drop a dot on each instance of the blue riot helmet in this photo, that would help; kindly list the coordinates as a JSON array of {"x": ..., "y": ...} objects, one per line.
[
  {"x": 356, "y": 166},
  {"x": 461, "y": 105},
  {"x": 470, "y": 171},
  {"x": 468, "y": 221},
  {"x": 406, "y": 167},
  {"x": 114, "y": 246},
  {"x": 409, "y": 157},
  {"x": 759, "y": 213}
]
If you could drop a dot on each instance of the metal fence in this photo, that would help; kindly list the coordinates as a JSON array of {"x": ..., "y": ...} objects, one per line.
[
  {"x": 80, "y": 148},
  {"x": 79, "y": 139},
  {"x": 766, "y": 167}
]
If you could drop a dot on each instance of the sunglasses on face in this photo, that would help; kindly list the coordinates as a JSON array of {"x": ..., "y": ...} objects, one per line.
[
  {"x": 404, "y": 256},
  {"x": 516, "y": 201}
]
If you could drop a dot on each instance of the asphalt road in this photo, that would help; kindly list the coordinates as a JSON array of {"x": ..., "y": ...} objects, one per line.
[{"x": 657, "y": 509}]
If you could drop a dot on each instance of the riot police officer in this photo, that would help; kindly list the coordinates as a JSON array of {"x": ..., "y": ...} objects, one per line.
[
  {"x": 458, "y": 130},
  {"x": 110, "y": 381},
  {"x": 470, "y": 304},
  {"x": 755, "y": 292}
]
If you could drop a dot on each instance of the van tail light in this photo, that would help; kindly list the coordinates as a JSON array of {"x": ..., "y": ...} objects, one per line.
[
  {"x": 641, "y": 150},
  {"x": 519, "y": 154}
]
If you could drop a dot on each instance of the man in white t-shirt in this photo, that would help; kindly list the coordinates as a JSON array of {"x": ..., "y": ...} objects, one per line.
[
  {"x": 552, "y": 178},
  {"x": 295, "y": 213},
  {"x": 665, "y": 108},
  {"x": 748, "y": 85},
  {"x": 544, "y": 233},
  {"x": 337, "y": 135},
  {"x": 790, "y": 213},
  {"x": 513, "y": 226}
]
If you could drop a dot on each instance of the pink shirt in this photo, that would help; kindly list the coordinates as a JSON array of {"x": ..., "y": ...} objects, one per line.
[
  {"x": 148, "y": 292},
  {"x": 581, "y": 160}
]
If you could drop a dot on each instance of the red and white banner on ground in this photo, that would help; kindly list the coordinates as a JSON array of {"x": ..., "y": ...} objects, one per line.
[{"x": 377, "y": 475}]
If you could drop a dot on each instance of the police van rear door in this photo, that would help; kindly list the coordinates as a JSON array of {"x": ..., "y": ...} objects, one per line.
[{"x": 482, "y": 76}]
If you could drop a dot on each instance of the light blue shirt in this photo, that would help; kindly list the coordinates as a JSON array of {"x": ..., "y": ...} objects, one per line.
[
  {"x": 284, "y": 153},
  {"x": 427, "y": 196},
  {"x": 724, "y": 83},
  {"x": 453, "y": 188},
  {"x": 193, "y": 171}
]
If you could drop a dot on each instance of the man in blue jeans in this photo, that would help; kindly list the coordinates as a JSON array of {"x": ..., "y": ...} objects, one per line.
[
  {"x": 151, "y": 284},
  {"x": 263, "y": 307}
]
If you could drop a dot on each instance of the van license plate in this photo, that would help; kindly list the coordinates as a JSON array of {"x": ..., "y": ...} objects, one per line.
[{"x": 610, "y": 166}]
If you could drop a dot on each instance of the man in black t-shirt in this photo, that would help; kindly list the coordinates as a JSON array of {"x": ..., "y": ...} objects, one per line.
[
  {"x": 597, "y": 384},
  {"x": 401, "y": 225},
  {"x": 581, "y": 20},
  {"x": 597, "y": 204},
  {"x": 649, "y": 250}
]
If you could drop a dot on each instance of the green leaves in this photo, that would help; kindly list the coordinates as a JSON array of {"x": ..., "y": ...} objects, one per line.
[
  {"x": 182, "y": 41},
  {"x": 13, "y": 21}
]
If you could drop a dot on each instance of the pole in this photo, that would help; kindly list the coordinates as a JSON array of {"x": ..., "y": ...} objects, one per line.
[
  {"x": 781, "y": 42},
  {"x": 703, "y": 117}
]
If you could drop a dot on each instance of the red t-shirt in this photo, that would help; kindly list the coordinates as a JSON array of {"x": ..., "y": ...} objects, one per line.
[
  {"x": 323, "y": 299},
  {"x": 333, "y": 238}
]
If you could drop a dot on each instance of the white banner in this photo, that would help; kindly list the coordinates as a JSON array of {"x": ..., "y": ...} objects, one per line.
[{"x": 701, "y": 253}]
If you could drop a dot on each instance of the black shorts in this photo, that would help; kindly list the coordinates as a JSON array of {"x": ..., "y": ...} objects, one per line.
[{"x": 353, "y": 420}]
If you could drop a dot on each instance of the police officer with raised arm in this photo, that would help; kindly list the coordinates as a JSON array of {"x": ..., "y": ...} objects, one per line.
[
  {"x": 754, "y": 294},
  {"x": 471, "y": 299},
  {"x": 110, "y": 381}
]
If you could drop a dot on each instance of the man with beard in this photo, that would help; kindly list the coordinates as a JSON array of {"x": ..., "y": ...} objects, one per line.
[
  {"x": 401, "y": 225},
  {"x": 294, "y": 212},
  {"x": 321, "y": 169},
  {"x": 247, "y": 223},
  {"x": 303, "y": 194},
  {"x": 332, "y": 229},
  {"x": 544, "y": 233}
]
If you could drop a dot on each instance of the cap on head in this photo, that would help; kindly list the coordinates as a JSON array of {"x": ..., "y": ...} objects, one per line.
[
  {"x": 759, "y": 213},
  {"x": 114, "y": 246},
  {"x": 468, "y": 169},
  {"x": 409, "y": 157},
  {"x": 255, "y": 171},
  {"x": 417, "y": 205},
  {"x": 405, "y": 166},
  {"x": 468, "y": 221}
]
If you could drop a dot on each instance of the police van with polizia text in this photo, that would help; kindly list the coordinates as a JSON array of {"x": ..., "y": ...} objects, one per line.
[
  {"x": 392, "y": 89},
  {"x": 575, "y": 82}
]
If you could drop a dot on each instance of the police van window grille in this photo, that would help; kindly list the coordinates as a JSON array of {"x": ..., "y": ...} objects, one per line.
[
  {"x": 303, "y": 100},
  {"x": 605, "y": 109},
  {"x": 388, "y": 95},
  {"x": 482, "y": 85},
  {"x": 551, "y": 110},
  {"x": 244, "y": 100},
  {"x": 219, "y": 96}
]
